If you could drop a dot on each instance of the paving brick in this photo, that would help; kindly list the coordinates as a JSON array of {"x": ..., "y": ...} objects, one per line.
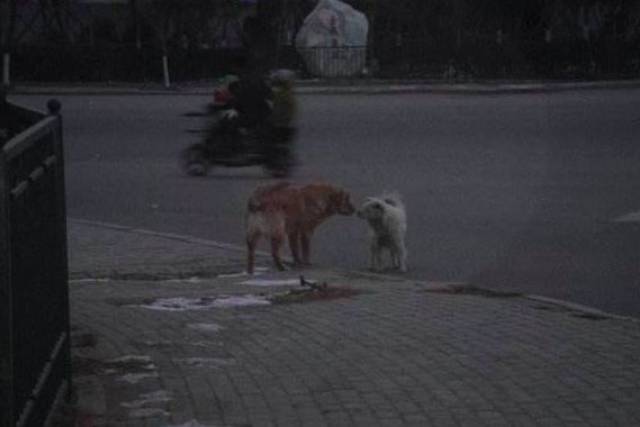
[{"x": 393, "y": 356}]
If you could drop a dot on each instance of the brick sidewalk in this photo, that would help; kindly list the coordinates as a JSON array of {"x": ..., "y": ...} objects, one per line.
[{"x": 398, "y": 353}]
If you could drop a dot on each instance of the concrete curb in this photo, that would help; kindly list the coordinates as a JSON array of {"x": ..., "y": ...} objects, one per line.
[
  {"x": 580, "y": 308},
  {"x": 333, "y": 88},
  {"x": 452, "y": 287},
  {"x": 171, "y": 236}
]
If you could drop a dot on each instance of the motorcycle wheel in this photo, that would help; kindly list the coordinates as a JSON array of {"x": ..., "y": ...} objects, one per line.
[{"x": 194, "y": 162}]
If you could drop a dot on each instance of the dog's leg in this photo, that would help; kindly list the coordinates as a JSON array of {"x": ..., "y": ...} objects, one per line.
[
  {"x": 372, "y": 256},
  {"x": 305, "y": 238},
  {"x": 252, "y": 241},
  {"x": 294, "y": 236},
  {"x": 276, "y": 243},
  {"x": 401, "y": 252},
  {"x": 376, "y": 256},
  {"x": 393, "y": 255}
]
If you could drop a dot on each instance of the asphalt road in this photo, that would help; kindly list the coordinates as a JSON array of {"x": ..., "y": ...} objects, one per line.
[{"x": 513, "y": 192}]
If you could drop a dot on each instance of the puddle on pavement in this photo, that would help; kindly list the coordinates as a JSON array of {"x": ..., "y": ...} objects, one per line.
[
  {"x": 205, "y": 303},
  {"x": 205, "y": 362},
  {"x": 271, "y": 282},
  {"x": 205, "y": 327},
  {"x": 326, "y": 293}
]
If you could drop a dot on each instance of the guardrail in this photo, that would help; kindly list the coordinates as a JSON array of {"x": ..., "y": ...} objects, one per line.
[{"x": 35, "y": 365}]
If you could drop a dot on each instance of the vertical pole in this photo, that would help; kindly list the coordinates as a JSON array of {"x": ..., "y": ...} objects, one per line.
[
  {"x": 53, "y": 106},
  {"x": 6, "y": 68},
  {"x": 7, "y": 416},
  {"x": 503, "y": 59},
  {"x": 165, "y": 70}
]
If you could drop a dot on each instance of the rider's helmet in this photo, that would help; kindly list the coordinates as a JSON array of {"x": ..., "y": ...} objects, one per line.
[{"x": 282, "y": 77}]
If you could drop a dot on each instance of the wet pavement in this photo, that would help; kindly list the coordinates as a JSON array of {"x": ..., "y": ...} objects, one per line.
[{"x": 168, "y": 331}]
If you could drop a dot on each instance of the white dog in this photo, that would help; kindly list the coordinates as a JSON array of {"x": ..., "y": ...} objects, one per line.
[{"x": 387, "y": 220}]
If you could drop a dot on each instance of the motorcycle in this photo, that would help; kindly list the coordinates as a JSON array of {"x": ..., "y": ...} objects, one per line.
[{"x": 228, "y": 142}]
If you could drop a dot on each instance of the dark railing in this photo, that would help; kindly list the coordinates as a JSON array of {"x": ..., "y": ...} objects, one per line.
[
  {"x": 472, "y": 55},
  {"x": 35, "y": 368},
  {"x": 120, "y": 63},
  {"x": 500, "y": 56},
  {"x": 333, "y": 62}
]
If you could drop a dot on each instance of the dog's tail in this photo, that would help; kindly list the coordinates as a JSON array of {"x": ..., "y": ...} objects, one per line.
[
  {"x": 393, "y": 198},
  {"x": 255, "y": 203}
]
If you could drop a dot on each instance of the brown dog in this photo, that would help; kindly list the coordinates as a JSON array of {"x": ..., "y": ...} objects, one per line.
[{"x": 284, "y": 210}]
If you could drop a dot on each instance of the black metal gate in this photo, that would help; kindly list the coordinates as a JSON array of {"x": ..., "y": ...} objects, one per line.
[{"x": 35, "y": 369}]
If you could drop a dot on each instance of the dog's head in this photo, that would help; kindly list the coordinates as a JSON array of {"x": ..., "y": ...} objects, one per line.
[
  {"x": 372, "y": 209},
  {"x": 340, "y": 202}
]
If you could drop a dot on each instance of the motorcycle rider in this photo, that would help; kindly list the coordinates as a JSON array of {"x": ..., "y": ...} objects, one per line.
[
  {"x": 252, "y": 98},
  {"x": 246, "y": 106},
  {"x": 284, "y": 106},
  {"x": 266, "y": 112}
]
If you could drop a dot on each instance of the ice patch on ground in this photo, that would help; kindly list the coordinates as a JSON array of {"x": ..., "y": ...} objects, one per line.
[
  {"x": 194, "y": 279},
  {"x": 265, "y": 282},
  {"x": 258, "y": 271},
  {"x": 148, "y": 412},
  {"x": 206, "y": 344},
  {"x": 131, "y": 358},
  {"x": 136, "y": 378},
  {"x": 90, "y": 280},
  {"x": 160, "y": 396},
  {"x": 159, "y": 343},
  {"x": 191, "y": 423},
  {"x": 205, "y": 362},
  {"x": 205, "y": 303},
  {"x": 631, "y": 217},
  {"x": 205, "y": 327},
  {"x": 241, "y": 300}
]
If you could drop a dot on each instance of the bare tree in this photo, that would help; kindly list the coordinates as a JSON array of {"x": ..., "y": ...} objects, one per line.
[
  {"x": 160, "y": 15},
  {"x": 177, "y": 21}
]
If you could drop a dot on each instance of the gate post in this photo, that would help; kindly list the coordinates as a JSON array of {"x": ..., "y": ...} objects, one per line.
[
  {"x": 53, "y": 107},
  {"x": 6, "y": 300}
]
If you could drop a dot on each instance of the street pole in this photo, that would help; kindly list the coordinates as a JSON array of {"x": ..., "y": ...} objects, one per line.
[
  {"x": 165, "y": 70},
  {"x": 6, "y": 68}
]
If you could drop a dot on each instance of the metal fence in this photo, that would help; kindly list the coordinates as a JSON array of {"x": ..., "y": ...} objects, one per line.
[
  {"x": 120, "y": 63},
  {"x": 500, "y": 56},
  {"x": 473, "y": 55},
  {"x": 334, "y": 62},
  {"x": 35, "y": 366}
]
